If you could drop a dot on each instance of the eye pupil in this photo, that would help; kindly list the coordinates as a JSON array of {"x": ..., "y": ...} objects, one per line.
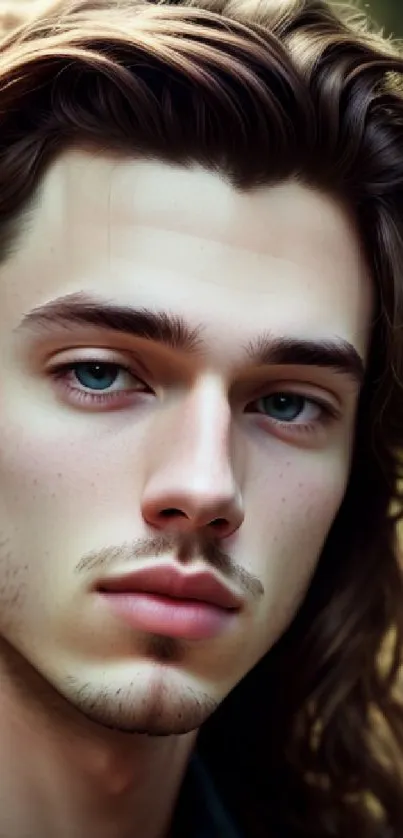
[
  {"x": 96, "y": 376},
  {"x": 284, "y": 406}
]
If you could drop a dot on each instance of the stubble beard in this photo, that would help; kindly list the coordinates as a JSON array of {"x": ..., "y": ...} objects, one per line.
[{"x": 155, "y": 708}]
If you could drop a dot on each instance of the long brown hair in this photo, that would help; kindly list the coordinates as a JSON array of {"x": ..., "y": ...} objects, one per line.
[{"x": 260, "y": 91}]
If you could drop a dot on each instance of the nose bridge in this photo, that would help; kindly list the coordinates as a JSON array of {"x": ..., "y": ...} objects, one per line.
[
  {"x": 205, "y": 433},
  {"x": 192, "y": 472}
]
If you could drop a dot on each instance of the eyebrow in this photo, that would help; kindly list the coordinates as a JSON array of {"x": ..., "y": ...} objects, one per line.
[{"x": 171, "y": 330}]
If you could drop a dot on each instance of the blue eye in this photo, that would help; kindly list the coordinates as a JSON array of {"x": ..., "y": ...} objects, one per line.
[
  {"x": 283, "y": 407},
  {"x": 96, "y": 376}
]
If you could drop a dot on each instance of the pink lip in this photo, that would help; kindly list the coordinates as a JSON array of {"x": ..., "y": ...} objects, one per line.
[
  {"x": 164, "y": 600},
  {"x": 169, "y": 581}
]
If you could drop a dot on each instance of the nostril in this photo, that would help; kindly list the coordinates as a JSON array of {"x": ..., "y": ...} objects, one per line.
[
  {"x": 219, "y": 523},
  {"x": 172, "y": 513}
]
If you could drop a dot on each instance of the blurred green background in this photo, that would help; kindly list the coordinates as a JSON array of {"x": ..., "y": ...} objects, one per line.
[{"x": 388, "y": 13}]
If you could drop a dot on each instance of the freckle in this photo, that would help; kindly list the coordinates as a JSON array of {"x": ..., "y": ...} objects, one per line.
[{"x": 59, "y": 474}]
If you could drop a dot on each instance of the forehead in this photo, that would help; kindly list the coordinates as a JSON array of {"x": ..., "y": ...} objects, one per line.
[{"x": 284, "y": 257}]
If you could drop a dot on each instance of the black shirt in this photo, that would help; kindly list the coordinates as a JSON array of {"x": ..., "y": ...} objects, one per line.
[{"x": 200, "y": 812}]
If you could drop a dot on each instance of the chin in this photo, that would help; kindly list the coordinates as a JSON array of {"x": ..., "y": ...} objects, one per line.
[{"x": 150, "y": 697}]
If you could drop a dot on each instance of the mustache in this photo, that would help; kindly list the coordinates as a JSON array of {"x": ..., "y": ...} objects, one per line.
[{"x": 185, "y": 547}]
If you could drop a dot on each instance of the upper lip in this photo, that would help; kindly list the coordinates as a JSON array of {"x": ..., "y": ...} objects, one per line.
[{"x": 167, "y": 580}]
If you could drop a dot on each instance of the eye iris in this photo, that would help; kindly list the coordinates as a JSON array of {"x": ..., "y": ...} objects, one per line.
[
  {"x": 96, "y": 376},
  {"x": 284, "y": 406}
]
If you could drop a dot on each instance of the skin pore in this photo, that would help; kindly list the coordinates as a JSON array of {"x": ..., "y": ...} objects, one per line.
[{"x": 185, "y": 454}]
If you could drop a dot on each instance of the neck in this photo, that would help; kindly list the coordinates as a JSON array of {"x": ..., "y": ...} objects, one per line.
[{"x": 64, "y": 775}]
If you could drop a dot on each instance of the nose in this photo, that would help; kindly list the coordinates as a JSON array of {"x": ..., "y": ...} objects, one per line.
[{"x": 191, "y": 483}]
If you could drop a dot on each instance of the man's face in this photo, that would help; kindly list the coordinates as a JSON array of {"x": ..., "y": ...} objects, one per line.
[{"x": 122, "y": 452}]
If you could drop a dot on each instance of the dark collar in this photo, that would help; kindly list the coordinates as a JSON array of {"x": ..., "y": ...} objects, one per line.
[{"x": 200, "y": 812}]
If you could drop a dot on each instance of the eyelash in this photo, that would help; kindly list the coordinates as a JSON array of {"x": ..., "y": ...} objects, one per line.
[{"x": 61, "y": 372}]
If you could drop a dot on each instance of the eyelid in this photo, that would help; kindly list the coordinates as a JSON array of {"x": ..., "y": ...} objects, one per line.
[
  {"x": 133, "y": 363},
  {"x": 99, "y": 355},
  {"x": 101, "y": 400},
  {"x": 307, "y": 390},
  {"x": 327, "y": 414}
]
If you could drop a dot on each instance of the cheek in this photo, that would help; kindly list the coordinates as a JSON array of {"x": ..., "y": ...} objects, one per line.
[
  {"x": 293, "y": 516},
  {"x": 60, "y": 496},
  {"x": 44, "y": 474},
  {"x": 300, "y": 498}
]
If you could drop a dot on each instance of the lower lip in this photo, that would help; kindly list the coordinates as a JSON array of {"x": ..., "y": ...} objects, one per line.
[{"x": 184, "y": 619}]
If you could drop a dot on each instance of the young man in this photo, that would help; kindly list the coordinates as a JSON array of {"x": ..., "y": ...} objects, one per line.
[{"x": 201, "y": 364}]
